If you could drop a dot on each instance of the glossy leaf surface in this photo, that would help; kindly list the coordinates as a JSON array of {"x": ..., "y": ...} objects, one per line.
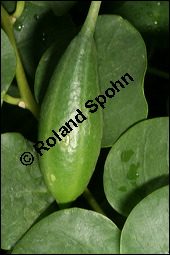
[
  {"x": 24, "y": 194},
  {"x": 137, "y": 164},
  {"x": 71, "y": 231},
  {"x": 146, "y": 230},
  {"x": 120, "y": 50}
]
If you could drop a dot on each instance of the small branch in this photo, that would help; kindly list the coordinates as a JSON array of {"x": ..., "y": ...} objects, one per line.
[
  {"x": 158, "y": 72},
  {"x": 91, "y": 200},
  {"x": 10, "y": 100},
  {"x": 18, "y": 11},
  {"x": 24, "y": 90}
]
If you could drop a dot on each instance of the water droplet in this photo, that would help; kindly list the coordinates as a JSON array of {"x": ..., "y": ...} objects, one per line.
[
  {"x": 126, "y": 155},
  {"x": 122, "y": 188},
  {"x": 158, "y": 3},
  {"x": 133, "y": 8},
  {"x": 148, "y": 5},
  {"x": 137, "y": 15},
  {"x": 149, "y": 27},
  {"x": 36, "y": 17},
  {"x": 155, "y": 22},
  {"x": 66, "y": 141},
  {"x": 134, "y": 184},
  {"x": 132, "y": 173},
  {"x": 44, "y": 37},
  {"x": 150, "y": 14},
  {"x": 19, "y": 26},
  {"x": 165, "y": 24},
  {"x": 53, "y": 178}
]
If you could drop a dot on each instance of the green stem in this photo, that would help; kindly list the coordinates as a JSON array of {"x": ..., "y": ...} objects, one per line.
[
  {"x": 19, "y": 9},
  {"x": 158, "y": 72},
  {"x": 11, "y": 100},
  {"x": 90, "y": 22},
  {"x": 24, "y": 90},
  {"x": 91, "y": 200}
]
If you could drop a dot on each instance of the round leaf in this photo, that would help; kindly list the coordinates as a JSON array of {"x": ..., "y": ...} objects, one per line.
[
  {"x": 71, "y": 231},
  {"x": 9, "y": 5},
  {"x": 24, "y": 193},
  {"x": 137, "y": 164},
  {"x": 120, "y": 50},
  {"x": 61, "y": 7},
  {"x": 146, "y": 230},
  {"x": 151, "y": 18},
  {"x": 8, "y": 63}
]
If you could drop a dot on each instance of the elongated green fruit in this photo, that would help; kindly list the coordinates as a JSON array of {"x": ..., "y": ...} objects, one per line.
[{"x": 69, "y": 163}]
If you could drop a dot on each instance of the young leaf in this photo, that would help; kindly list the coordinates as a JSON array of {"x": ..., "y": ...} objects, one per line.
[{"x": 137, "y": 164}]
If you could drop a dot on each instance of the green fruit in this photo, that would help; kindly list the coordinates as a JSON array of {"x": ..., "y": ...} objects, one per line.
[{"x": 67, "y": 165}]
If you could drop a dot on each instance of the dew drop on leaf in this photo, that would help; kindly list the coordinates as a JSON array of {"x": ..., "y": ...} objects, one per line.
[
  {"x": 122, "y": 188},
  {"x": 44, "y": 37},
  {"x": 148, "y": 5},
  {"x": 36, "y": 17},
  {"x": 148, "y": 27},
  {"x": 66, "y": 141},
  {"x": 19, "y": 27},
  {"x": 137, "y": 15},
  {"x": 126, "y": 155},
  {"x": 132, "y": 173},
  {"x": 150, "y": 14}
]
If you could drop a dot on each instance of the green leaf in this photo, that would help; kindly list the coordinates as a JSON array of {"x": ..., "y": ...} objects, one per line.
[
  {"x": 137, "y": 164},
  {"x": 41, "y": 3},
  {"x": 48, "y": 63},
  {"x": 146, "y": 230},
  {"x": 36, "y": 30},
  {"x": 8, "y": 63},
  {"x": 151, "y": 18},
  {"x": 9, "y": 6},
  {"x": 24, "y": 194},
  {"x": 120, "y": 50},
  {"x": 59, "y": 7},
  {"x": 71, "y": 231}
]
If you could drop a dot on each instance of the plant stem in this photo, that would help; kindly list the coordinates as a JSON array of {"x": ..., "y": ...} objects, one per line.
[
  {"x": 19, "y": 9},
  {"x": 158, "y": 72},
  {"x": 91, "y": 200},
  {"x": 24, "y": 90},
  {"x": 9, "y": 99},
  {"x": 90, "y": 22}
]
